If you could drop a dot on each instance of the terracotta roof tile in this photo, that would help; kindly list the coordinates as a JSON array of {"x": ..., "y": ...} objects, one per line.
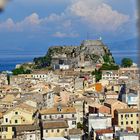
[
  {"x": 75, "y": 132},
  {"x": 114, "y": 101},
  {"x": 103, "y": 131},
  {"x": 64, "y": 110},
  {"x": 129, "y": 129},
  {"x": 55, "y": 124},
  {"x": 128, "y": 110}
]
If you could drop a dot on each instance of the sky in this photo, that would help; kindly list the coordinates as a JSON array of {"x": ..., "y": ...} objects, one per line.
[{"x": 34, "y": 25}]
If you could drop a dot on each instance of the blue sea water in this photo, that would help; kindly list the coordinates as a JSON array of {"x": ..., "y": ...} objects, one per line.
[{"x": 8, "y": 60}]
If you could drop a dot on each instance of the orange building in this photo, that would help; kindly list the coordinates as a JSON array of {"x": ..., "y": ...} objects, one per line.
[{"x": 98, "y": 87}]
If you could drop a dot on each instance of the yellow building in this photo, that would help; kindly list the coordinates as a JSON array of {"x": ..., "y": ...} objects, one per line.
[
  {"x": 127, "y": 118},
  {"x": 55, "y": 128},
  {"x": 114, "y": 104},
  {"x": 7, "y": 101},
  {"x": 22, "y": 114},
  {"x": 6, "y": 132}
]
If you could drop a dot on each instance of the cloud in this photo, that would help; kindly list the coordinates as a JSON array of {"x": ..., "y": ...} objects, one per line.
[
  {"x": 95, "y": 14},
  {"x": 30, "y": 22},
  {"x": 7, "y": 25},
  {"x": 65, "y": 35},
  {"x": 33, "y": 19},
  {"x": 33, "y": 23},
  {"x": 98, "y": 14}
]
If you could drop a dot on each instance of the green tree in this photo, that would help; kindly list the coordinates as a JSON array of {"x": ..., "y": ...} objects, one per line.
[
  {"x": 106, "y": 58},
  {"x": 79, "y": 125},
  {"x": 21, "y": 70},
  {"x": 98, "y": 75},
  {"x": 109, "y": 67},
  {"x": 126, "y": 62},
  {"x": 8, "y": 79}
]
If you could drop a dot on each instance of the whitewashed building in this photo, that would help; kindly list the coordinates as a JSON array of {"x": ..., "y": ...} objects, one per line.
[{"x": 103, "y": 122}]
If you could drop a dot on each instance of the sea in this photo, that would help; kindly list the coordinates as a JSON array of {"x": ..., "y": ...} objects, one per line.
[{"x": 9, "y": 59}]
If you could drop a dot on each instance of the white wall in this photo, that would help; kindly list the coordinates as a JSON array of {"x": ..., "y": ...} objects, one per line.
[
  {"x": 129, "y": 138},
  {"x": 99, "y": 123}
]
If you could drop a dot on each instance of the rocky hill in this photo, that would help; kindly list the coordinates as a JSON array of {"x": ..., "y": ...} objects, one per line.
[{"x": 88, "y": 53}]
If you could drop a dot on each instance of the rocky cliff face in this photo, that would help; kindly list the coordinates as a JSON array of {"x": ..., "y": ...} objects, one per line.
[{"x": 88, "y": 53}]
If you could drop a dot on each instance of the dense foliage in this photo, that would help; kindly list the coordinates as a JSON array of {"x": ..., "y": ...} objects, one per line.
[
  {"x": 42, "y": 62},
  {"x": 79, "y": 125},
  {"x": 108, "y": 59},
  {"x": 109, "y": 67},
  {"x": 97, "y": 74},
  {"x": 21, "y": 70},
  {"x": 126, "y": 62}
]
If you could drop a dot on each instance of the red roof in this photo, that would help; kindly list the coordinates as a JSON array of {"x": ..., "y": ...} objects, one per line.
[
  {"x": 129, "y": 129},
  {"x": 103, "y": 131}
]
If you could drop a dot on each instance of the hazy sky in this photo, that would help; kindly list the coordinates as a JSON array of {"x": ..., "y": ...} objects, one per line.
[{"x": 37, "y": 24}]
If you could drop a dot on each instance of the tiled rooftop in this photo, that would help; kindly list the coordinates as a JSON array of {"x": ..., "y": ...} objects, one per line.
[
  {"x": 64, "y": 110},
  {"x": 55, "y": 124}
]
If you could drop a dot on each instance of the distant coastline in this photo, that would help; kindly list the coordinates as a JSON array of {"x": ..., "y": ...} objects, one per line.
[{"x": 9, "y": 61}]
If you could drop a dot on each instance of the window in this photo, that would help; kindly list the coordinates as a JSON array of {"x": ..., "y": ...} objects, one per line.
[
  {"x": 66, "y": 130},
  {"x": 6, "y": 129},
  {"x": 126, "y": 122},
  {"x": 73, "y": 122},
  {"x": 131, "y": 122},
  {"x": 137, "y": 115},
  {"x": 73, "y": 115},
  {"x": 121, "y": 123},
  {"x": 6, "y": 119},
  {"x": 126, "y": 116},
  {"x": 57, "y": 130},
  {"x": 121, "y": 116},
  {"x": 52, "y": 130},
  {"x": 46, "y": 131},
  {"x": 137, "y": 122},
  {"x": 16, "y": 121},
  {"x": 49, "y": 97},
  {"x": 16, "y": 113},
  {"x": 131, "y": 115},
  {"x": 13, "y": 129},
  {"x": 50, "y": 116}
]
